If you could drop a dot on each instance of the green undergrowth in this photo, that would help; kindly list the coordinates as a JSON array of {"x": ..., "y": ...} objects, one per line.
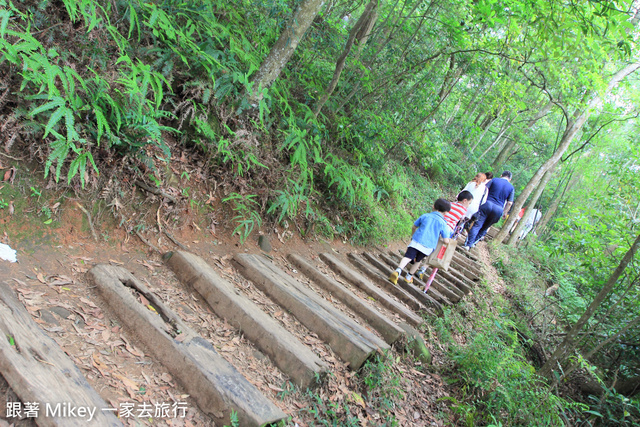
[
  {"x": 488, "y": 346},
  {"x": 30, "y": 212},
  {"x": 377, "y": 388},
  {"x": 125, "y": 87},
  {"x": 492, "y": 344}
]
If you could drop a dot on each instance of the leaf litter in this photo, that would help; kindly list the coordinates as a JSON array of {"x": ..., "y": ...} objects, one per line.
[{"x": 122, "y": 372}]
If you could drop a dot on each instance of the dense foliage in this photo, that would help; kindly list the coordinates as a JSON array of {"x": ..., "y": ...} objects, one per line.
[{"x": 429, "y": 93}]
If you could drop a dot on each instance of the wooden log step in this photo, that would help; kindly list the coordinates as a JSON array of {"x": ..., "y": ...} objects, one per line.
[
  {"x": 459, "y": 254},
  {"x": 493, "y": 231},
  {"x": 463, "y": 271},
  {"x": 462, "y": 286},
  {"x": 387, "y": 265},
  {"x": 454, "y": 281},
  {"x": 389, "y": 330},
  {"x": 452, "y": 293},
  {"x": 213, "y": 382},
  {"x": 459, "y": 273},
  {"x": 442, "y": 282},
  {"x": 38, "y": 371},
  {"x": 451, "y": 285},
  {"x": 285, "y": 351},
  {"x": 389, "y": 287},
  {"x": 350, "y": 341},
  {"x": 427, "y": 300},
  {"x": 467, "y": 254},
  {"x": 460, "y": 259},
  {"x": 466, "y": 257},
  {"x": 362, "y": 283}
]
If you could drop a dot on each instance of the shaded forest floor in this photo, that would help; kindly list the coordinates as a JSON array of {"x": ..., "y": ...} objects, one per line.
[{"x": 60, "y": 236}]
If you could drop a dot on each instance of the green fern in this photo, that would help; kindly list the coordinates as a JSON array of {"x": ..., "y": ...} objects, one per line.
[{"x": 248, "y": 217}]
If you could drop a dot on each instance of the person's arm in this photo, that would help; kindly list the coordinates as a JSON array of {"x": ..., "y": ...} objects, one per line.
[
  {"x": 506, "y": 209},
  {"x": 445, "y": 235},
  {"x": 509, "y": 203},
  {"x": 413, "y": 229}
]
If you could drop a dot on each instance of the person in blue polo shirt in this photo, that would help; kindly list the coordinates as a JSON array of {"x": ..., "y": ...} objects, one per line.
[
  {"x": 424, "y": 238},
  {"x": 499, "y": 200}
]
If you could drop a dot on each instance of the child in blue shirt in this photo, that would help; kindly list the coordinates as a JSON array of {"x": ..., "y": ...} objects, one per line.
[{"x": 425, "y": 233}]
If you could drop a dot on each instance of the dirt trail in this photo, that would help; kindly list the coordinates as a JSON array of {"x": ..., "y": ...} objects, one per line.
[{"x": 50, "y": 280}]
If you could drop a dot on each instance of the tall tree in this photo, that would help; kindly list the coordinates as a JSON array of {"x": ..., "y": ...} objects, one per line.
[
  {"x": 573, "y": 126},
  {"x": 360, "y": 34},
  {"x": 284, "y": 47},
  {"x": 567, "y": 346}
]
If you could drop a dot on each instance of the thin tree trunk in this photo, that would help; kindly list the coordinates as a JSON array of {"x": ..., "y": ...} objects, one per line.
[
  {"x": 567, "y": 346},
  {"x": 556, "y": 202},
  {"x": 447, "y": 77},
  {"x": 543, "y": 112},
  {"x": 433, "y": 111},
  {"x": 360, "y": 31},
  {"x": 629, "y": 387},
  {"x": 284, "y": 47},
  {"x": 503, "y": 154},
  {"x": 484, "y": 132},
  {"x": 508, "y": 149},
  {"x": 505, "y": 127},
  {"x": 571, "y": 130},
  {"x": 531, "y": 206},
  {"x": 449, "y": 120},
  {"x": 473, "y": 104}
]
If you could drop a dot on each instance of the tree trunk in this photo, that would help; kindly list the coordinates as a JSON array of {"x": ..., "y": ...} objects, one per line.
[
  {"x": 556, "y": 202},
  {"x": 543, "y": 112},
  {"x": 508, "y": 149},
  {"x": 359, "y": 32},
  {"x": 629, "y": 387},
  {"x": 484, "y": 132},
  {"x": 505, "y": 127},
  {"x": 572, "y": 128},
  {"x": 473, "y": 104},
  {"x": 442, "y": 98},
  {"x": 450, "y": 119},
  {"x": 596, "y": 349},
  {"x": 504, "y": 153},
  {"x": 447, "y": 77},
  {"x": 567, "y": 346},
  {"x": 284, "y": 47},
  {"x": 532, "y": 203}
]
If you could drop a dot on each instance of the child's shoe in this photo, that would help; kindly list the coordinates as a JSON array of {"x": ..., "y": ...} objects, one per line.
[
  {"x": 421, "y": 273},
  {"x": 409, "y": 279},
  {"x": 394, "y": 277}
]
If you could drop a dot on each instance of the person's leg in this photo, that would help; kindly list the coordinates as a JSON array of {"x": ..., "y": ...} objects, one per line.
[
  {"x": 493, "y": 216},
  {"x": 409, "y": 256},
  {"x": 403, "y": 262},
  {"x": 422, "y": 269},
  {"x": 414, "y": 266},
  {"x": 473, "y": 232}
]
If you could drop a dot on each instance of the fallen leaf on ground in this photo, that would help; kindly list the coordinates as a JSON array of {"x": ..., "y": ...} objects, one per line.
[
  {"x": 126, "y": 381},
  {"x": 99, "y": 365}
]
